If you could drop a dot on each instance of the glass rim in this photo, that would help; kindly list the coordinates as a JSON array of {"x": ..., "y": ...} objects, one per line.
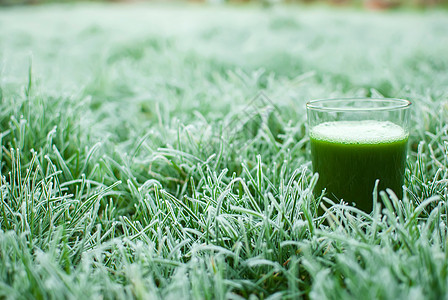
[{"x": 393, "y": 104}]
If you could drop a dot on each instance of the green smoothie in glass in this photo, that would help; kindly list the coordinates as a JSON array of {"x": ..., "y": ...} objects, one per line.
[
  {"x": 349, "y": 160},
  {"x": 354, "y": 142}
]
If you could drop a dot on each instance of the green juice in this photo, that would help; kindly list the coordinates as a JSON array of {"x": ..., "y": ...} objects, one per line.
[{"x": 350, "y": 155}]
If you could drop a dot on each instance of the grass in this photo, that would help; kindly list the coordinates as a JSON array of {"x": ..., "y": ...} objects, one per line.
[{"x": 155, "y": 152}]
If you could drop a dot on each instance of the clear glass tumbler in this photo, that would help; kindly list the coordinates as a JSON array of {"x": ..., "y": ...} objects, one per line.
[{"x": 354, "y": 142}]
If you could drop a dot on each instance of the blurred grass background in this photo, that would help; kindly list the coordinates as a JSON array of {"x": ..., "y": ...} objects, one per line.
[{"x": 366, "y": 4}]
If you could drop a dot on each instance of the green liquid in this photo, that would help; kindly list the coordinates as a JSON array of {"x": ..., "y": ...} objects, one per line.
[{"x": 350, "y": 155}]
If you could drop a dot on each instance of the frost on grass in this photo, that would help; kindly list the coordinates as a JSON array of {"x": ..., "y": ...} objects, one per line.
[{"x": 150, "y": 160}]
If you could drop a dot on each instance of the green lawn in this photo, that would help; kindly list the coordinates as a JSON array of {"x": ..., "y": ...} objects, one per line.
[{"x": 160, "y": 151}]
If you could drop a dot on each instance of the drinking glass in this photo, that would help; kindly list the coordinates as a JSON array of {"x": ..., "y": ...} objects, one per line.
[{"x": 356, "y": 141}]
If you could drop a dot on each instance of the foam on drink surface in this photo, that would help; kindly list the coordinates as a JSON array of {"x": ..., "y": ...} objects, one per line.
[{"x": 359, "y": 132}]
